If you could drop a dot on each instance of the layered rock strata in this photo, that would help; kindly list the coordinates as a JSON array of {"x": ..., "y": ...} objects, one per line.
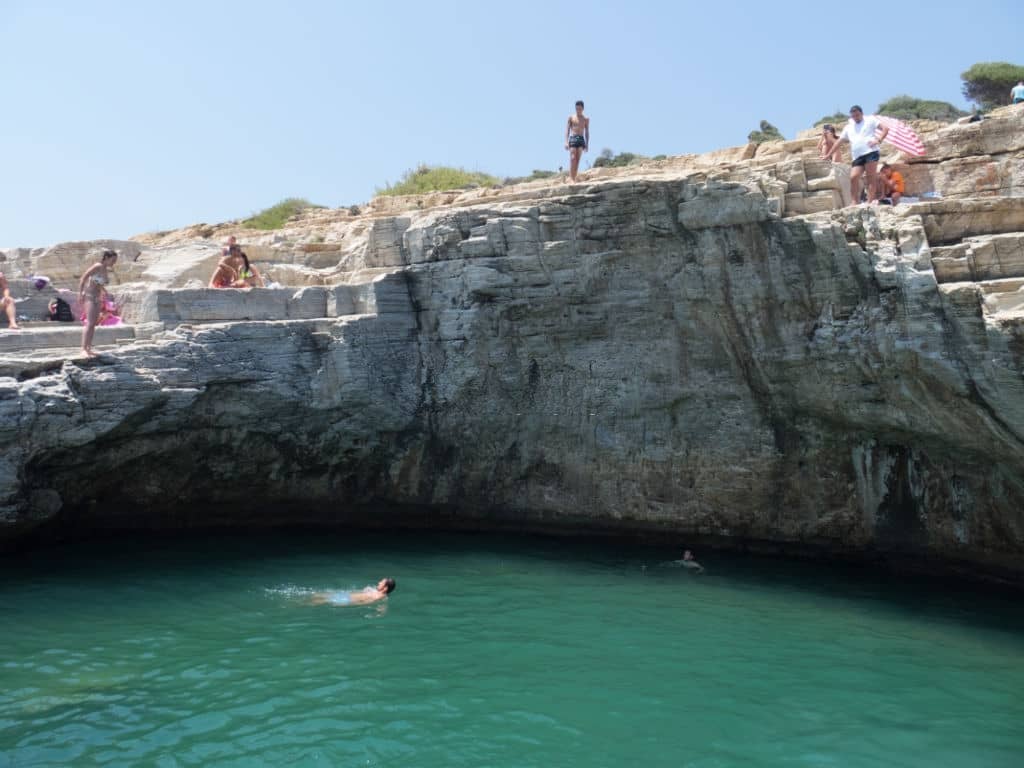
[{"x": 668, "y": 350}]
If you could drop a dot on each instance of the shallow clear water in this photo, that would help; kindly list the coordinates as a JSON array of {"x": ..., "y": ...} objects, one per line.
[{"x": 494, "y": 652}]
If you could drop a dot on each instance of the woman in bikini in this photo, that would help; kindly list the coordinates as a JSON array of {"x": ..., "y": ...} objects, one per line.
[
  {"x": 7, "y": 303},
  {"x": 235, "y": 271},
  {"x": 248, "y": 275},
  {"x": 90, "y": 296}
]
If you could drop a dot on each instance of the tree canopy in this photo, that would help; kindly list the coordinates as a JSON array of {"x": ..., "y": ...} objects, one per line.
[
  {"x": 768, "y": 132},
  {"x": 988, "y": 83},
  {"x": 910, "y": 108}
]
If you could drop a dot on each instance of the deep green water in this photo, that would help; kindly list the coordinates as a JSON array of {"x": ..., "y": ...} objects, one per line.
[{"x": 494, "y": 652}]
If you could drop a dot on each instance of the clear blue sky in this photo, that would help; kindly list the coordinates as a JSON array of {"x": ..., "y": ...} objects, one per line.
[{"x": 124, "y": 117}]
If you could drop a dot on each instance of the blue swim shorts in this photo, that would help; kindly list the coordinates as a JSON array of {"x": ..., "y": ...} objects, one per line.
[{"x": 870, "y": 157}]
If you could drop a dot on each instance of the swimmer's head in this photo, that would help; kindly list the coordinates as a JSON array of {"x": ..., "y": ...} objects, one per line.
[
  {"x": 687, "y": 555},
  {"x": 387, "y": 586}
]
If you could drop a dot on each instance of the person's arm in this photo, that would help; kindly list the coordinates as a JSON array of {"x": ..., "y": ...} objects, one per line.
[
  {"x": 568, "y": 125},
  {"x": 586, "y": 137},
  {"x": 881, "y": 134},
  {"x": 256, "y": 274},
  {"x": 222, "y": 272},
  {"x": 835, "y": 147}
]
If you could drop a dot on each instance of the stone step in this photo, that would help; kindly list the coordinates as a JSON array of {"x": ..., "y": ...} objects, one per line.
[
  {"x": 39, "y": 336},
  {"x": 980, "y": 258},
  {"x": 1005, "y": 285},
  {"x": 1005, "y": 303}
]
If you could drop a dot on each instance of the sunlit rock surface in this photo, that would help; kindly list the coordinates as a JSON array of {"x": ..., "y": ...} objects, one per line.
[{"x": 700, "y": 347}]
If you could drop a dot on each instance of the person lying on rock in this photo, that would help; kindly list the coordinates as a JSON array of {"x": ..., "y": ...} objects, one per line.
[
  {"x": 363, "y": 597},
  {"x": 7, "y": 303}
]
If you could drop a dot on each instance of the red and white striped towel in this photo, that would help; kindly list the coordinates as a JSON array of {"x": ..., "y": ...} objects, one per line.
[{"x": 901, "y": 136}]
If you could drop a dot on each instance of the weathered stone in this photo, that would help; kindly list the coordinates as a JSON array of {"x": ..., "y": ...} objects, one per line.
[{"x": 658, "y": 351}]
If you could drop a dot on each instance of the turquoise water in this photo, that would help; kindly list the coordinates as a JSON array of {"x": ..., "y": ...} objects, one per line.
[{"x": 494, "y": 652}]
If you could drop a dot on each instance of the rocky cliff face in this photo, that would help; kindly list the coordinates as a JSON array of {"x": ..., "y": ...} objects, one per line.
[{"x": 667, "y": 350}]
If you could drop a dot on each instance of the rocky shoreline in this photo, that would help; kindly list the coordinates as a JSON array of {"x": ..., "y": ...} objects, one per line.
[{"x": 700, "y": 348}]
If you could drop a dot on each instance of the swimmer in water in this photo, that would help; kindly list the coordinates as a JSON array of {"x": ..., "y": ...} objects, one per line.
[
  {"x": 363, "y": 597},
  {"x": 689, "y": 562}
]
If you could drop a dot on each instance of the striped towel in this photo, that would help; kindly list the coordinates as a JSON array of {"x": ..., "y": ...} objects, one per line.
[{"x": 902, "y": 136}]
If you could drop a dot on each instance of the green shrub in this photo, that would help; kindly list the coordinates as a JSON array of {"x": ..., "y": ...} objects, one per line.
[
  {"x": 768, "y": 132},
  {"x": 909, "y": 108},
  {"x": 276, "y": 216},
  {"x": 988, "y": 83},
  {"x": 837, "y": 118},
  {"x": 608, "y": 159},
  {"x": 535, "y": 175},
  {"x": 437, "y": 179}
]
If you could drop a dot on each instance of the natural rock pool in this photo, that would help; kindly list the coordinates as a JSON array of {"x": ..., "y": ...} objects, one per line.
[{"x": 494, "y": 651}]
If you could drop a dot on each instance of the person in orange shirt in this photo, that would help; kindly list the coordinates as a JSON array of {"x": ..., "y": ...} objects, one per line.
[{"x": 892, "y": 184}]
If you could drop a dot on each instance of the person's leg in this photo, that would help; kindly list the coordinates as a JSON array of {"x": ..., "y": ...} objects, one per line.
[
  {"x": 12, "y": 321},
  {"x": 855, "y": 174},
  {"x": 871, "y": 171},
  {"x": 895, "y": 197},
  {"x": 574, "y": 162},
  {"x": 92, "y": 313}
]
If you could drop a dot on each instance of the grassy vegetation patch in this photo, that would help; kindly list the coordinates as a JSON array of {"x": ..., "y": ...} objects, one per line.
[
  {"x": 608, "y": 159},
  {"x": 276, "y": 216},
  {"x": 536, "y": 175},
  {"x": 439, "y": 178}
]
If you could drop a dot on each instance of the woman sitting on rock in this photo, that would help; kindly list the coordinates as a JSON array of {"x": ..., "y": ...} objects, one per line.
[
  {"x": 235, "y": 271},
  {"x": 108, "y": 311},
  {"x": 90, "y": 296},
  {"x": 248, "y": 275}
]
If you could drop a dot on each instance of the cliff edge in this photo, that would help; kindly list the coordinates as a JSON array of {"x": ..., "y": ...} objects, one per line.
[{"x": 699, "y": 347}]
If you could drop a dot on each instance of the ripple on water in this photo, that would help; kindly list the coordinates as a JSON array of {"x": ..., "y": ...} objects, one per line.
[{"x": 496, "y": 652}]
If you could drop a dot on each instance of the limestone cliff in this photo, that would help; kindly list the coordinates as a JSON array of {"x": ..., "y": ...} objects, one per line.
[{"x": 677, "y": 348}]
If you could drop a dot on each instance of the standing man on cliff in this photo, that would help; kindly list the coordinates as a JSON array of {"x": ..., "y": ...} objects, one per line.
[
  {"x": 865, "y": 135},
  {"x": 577, "y": 139}
]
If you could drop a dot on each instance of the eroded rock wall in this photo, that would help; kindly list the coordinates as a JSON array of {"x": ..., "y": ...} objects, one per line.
[
  {"x": 663, "y": 354},
  {"x": 701, "y": 347}
]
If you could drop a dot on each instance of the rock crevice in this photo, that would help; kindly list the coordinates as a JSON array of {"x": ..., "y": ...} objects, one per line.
[{"x": 673, "y": 351}]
